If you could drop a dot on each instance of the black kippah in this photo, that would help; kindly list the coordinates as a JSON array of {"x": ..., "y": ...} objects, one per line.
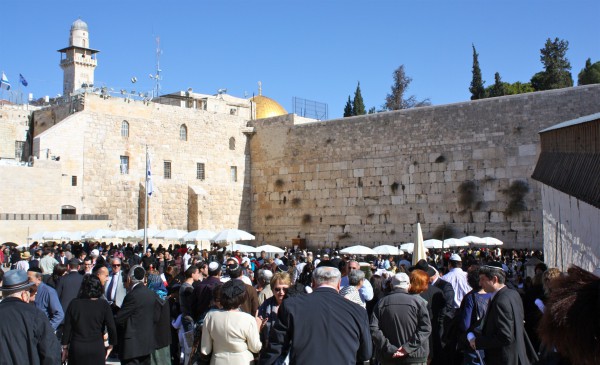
[
  {"x": 233, "y": 288},
  {"x": 139, "y": 273}
]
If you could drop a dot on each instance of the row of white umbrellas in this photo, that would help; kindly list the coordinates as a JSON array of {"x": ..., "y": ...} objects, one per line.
[{"x": 427, "y": 244}]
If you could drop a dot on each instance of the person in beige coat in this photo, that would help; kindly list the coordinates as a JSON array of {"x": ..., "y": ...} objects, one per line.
[{"x": 231, "y": 336}]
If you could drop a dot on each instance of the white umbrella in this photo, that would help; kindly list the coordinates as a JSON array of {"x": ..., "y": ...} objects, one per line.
[
  {"x": 123, "y": 233},
  {"x": 387, "y": 250},
  {"x": 455, "y": 242},
  {"x": 199, "y": 235},
  {"x": 242, "y": 248},
  {"x": 171, "y": 234},
  {"x": 38, "y": 236},
  {"x": 57, "y": 235},
  {"x": 139, "y": 234},
  {"x": 491, "y": 241},
  {"x": 473, "y": 239},
  {"x": 269, "y": 249},
  {"x": 232, "y": 235},
  {"x": 419, "y": 250},
  {"x": 408, "y": 247},
  {"x": 432, "y": 243},
  {"x": 96, "y": 234},
  {"x": 358, "y": 250},
  {"x": 76, "y": 235}
]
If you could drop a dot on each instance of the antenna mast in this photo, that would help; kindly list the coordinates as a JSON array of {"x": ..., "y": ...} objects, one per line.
[{"x": 157, "y": 77}]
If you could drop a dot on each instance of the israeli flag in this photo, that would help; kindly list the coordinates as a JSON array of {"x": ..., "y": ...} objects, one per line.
[
  {"x": 4, "y": 84},
  {"x": 148, "y": 175},
  {"x": 22, "y": 80}
]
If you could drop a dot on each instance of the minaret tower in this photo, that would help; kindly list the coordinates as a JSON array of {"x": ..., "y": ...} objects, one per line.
[{"x": 78, "y": 61}]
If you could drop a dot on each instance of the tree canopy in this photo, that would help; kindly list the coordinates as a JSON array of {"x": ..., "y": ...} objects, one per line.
[
  {"x": 556, "y": 74},
  {"x": 358, "y": 106},
  {"x": 396, "y": 99},
  {"x": 477, "y": 90},
  {"x": 590, "y": 74}
]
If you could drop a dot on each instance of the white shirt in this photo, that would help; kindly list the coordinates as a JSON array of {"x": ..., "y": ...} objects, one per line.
[{"x": 458, "y": 278}]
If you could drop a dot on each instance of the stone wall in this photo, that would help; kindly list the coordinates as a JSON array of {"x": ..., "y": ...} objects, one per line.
[
  {"x": 14, "y": 124},
  {"x": 368, "y": 179},
  {"x": 90, "y": 146},
  {"x": 571, "y": 231},
  {"x": 30, "y": 190}
]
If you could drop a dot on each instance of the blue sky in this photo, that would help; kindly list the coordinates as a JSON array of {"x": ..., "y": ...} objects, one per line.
[{"x": 313, "y": 49}]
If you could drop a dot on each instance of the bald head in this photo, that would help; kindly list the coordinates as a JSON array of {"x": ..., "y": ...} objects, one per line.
[{"x": 102, "y": 274}]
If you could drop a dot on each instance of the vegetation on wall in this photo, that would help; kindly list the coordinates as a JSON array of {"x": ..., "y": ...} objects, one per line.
[
  {"x": 467, "y": 195},
  {"x": 306, "y": 218},
  {"x": 279, "y": 183},
  {"x": 516, "y": 193},
  {"x": 296, "y": 202},
  {"x": 443, "y": 232}
]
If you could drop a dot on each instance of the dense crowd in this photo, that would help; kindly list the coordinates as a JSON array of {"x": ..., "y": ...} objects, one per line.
[{"x": 87, "y": 302}]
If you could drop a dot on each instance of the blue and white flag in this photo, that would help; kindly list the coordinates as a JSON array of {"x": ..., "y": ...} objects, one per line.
[
  {"x": 4, "y": 84},
  {"x": 148, "y": 175},
  {"x": 22, "y": 80}
]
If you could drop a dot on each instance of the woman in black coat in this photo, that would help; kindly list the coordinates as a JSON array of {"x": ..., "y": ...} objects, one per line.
[{"x": 85, "y": 321}]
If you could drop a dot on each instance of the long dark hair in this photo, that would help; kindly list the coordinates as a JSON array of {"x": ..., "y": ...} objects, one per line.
[{"x": 90, "y": 287}]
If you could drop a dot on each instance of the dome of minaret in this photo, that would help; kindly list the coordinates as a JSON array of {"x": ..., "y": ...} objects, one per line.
[{"x": 79, "y": 25}]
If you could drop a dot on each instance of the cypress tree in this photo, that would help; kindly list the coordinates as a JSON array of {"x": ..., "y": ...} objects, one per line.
[
  {"x": 348, "y": 108},
  {"x": 477, "y": 90},
  {"x": 358, "y": 106},
  {"x": 498, "y": 89}
]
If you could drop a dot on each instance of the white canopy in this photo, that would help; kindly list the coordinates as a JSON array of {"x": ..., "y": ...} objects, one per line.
[
  {"x": 491, "y": 241},
  {"x": 358, "y": 250},
  {"x": 38, "y": 236},
  {"x": 387, "y": 250},
  {"x": 232, "y": 235},
  {"x": 96, "y": 234},
  {"x": 171, "y": 234},
  {"x": 269, "y": 249},
  {"x": 241, "y": 248},
  {"x": 139, "y": 234},
  {"x": 56, "y": 235},
  {"x": 432, "y": 243},
  {"x": 473, "y": 240},
  {"x": 409, "y": 247},
  {"x": 199, "y": 235},
  {"x": 122, "y": 234},
  {"x": 76, "y": 235},
  {"x": 455, "y": 242}
]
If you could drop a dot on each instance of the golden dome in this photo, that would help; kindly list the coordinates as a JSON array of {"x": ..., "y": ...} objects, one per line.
[{"x": 267, "y": 107}]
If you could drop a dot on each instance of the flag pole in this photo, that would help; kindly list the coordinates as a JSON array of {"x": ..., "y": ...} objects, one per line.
[{"x": 146, "y": 205}]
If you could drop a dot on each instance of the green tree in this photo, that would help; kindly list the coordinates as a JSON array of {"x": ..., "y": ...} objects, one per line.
[
  {"x": 518, "y": 88},
  {"x": 477, "y": 90},
  {"x": 358, "y": 106},
  {"x": 396, "y": 100},
  {"x": 348, "y": 108},
  {"x": 556, "y": 74},
  {"x": 499, "y": 87},
  {"x": 372, "y": 110},
  {"x": 590, "y": 74}
]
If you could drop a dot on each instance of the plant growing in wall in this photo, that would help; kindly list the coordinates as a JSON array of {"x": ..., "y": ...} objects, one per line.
[
  {"x": 467, "y": 196},
  {"x": 394, "y": 187},
  {"x": 279, "y": 183},
  {"x": 306, "y": 219},
  {"x": 440, "y": 159},
  {"x": 344, "y": 236},
  {"x": 516, "y": 193},
  {"x": 443, "y": 232},
  {"x": 296, "y": 202},
  {"x": 268, "y": 217}
]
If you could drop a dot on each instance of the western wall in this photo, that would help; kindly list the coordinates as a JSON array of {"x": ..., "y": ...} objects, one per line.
[{"x": 460, "y": 169}]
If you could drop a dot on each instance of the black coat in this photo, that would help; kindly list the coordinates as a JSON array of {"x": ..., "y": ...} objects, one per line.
[
  {"x": 162, "y": 329},
  {"x": 436, "y": 305},
  {"x": 320, "y": 328},
  {"x": 26, "y": 336},
  {"x": 135, "y": 323},
  {"x": 68, "y": 288},
  {"x": 502, "y": 336}
]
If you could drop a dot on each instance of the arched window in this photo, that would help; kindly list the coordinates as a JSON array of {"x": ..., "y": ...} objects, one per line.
[
  {"x": 183, "y": 132},
  {"x": 125, "y": 129},
  {"x": 232, "y": 143}
]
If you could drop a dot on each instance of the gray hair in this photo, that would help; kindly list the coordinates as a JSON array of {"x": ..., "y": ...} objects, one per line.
[
  {"x": 113, "y": 259},
  {"x": 355, "y": 276},
  {"x": 265, "y": 275},
  {"x": 326, "y": 275},
  {"x": 136, "y": 274}
]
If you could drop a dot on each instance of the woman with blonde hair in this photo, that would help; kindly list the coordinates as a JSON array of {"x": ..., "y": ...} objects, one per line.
[{"x": 267, "y": 312}]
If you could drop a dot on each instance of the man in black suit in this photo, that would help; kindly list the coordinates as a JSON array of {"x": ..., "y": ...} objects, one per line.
[
  {"x": 68, "y": 285},
  {"x": 502, "y": 334},
  {"x": 320, "y": 328},
  {"x": 136, "y": 320},
  {"x": 447, "y": 353}
]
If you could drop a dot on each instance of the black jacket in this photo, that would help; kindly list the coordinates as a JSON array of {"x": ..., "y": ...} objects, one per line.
[
  {"x": 26, "y": 336},
  {"x": 68, "y": 287},
  {"x": 319, "y": 328},
  {"x": 401, "y": 320}
]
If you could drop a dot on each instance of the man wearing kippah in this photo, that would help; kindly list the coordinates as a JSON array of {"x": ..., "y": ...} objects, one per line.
[{"x": 501, "y": 333}]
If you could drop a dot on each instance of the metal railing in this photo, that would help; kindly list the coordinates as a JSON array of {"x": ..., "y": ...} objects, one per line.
[{"x": 52, "y": 217}]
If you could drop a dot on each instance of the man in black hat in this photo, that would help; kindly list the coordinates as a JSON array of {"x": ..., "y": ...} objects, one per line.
[
  {"x": 26, "y": 336},
  {"x": 250, "y": 305},
  {"x": 502, "y": 334},
  {"x": 203, "y": 292}
]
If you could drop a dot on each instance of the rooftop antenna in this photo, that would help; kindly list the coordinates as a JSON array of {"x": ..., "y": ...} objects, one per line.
[
  {"x": 157, "y": 77},
  {"x": 259, "y": 88}
]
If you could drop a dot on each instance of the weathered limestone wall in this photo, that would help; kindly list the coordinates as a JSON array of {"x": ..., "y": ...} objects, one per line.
[
  {"x": 571, "y": 231},
  {"x": 90, "y": 145},
  {"x": 30, "y": 190},
  {"x": 369, "y": 179},
  {"x": 14, "y": 124}
]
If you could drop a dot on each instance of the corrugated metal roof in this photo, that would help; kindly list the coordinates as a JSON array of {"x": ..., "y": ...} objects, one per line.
[
  {"x": 585, "y": 119},
  {"x": 575, "y": 174}
]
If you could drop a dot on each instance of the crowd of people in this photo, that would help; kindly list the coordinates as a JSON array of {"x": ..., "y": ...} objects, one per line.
[{"x": 84, "y": 303}]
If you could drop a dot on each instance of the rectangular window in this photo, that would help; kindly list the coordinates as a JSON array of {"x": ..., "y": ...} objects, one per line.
[
  {"x": 233, "y": 173},
  {"x": 200, "y": 171},
  {"x": 73, "y": 180},
  {"x": 167, "y": 169},
  {"x": 124, "y": 165}
]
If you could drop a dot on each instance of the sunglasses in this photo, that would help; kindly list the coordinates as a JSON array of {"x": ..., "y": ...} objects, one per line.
[
  {"x": 280, "y": 289},
  {"x": 116, "y": 265}
]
